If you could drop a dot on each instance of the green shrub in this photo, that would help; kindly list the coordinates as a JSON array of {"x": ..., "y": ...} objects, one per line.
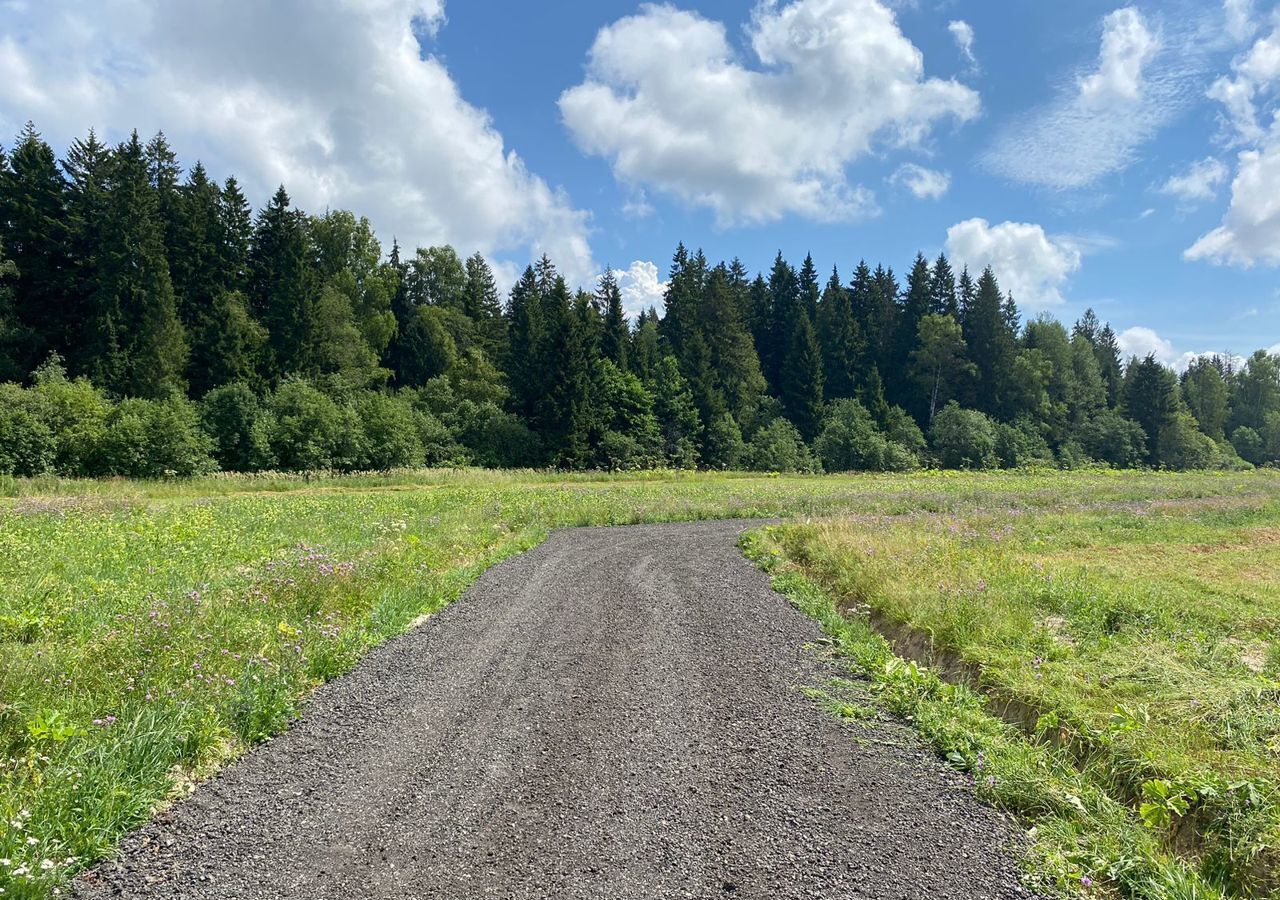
[
  {"x": 155, "y": 438},
  {"x": 1021, "y": 444},
  {"x": 26, "y": 443},
  {"x": 778, "y": 447},
  {"x": 240, "y": 427},
  {"x": 723, "y": 446},
  {"x": 900, "y": 428},
  {"x": 494, "y": 438},
  {"x": 390, "y": 428},
  {"x": 1111, "y": 438},
  {"x": 850, "y": 442},
  {"x": 75, "y": 412},
  {"x": 1182, "y": 445},
  {"x": 1249, "y": 444},
  {"x": 310, "y": 431},
  {"x": 964, "y": 439}
]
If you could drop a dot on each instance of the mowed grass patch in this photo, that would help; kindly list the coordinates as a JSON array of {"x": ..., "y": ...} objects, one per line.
[
  {"x": 1143, "y": 638},
  {"x": 150, "y": 631}
]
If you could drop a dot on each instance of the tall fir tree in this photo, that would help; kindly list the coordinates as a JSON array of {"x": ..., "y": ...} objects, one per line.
[
  {"x": 87, "y": 166},
  {"x": 944, "y": 299},
  {"x": 1151, "y": 399},
  {"x": 841, "y": 341},
  {"x": 524, "y": 323},
  {"x": 616, "y": 337},
  {"x": 483, "y": 305},
  {"x": 991, "y": 344},
  {"x": 810, "y": 289},
  {"x": 737, "y": 381},
  {"x": 143, "y": 351},
  {"x": 1107, "y": 350},
  {"x": 33, "y": 217},
  {"x": 283, "y": 286},
  {"x": 801, "y": 379},
  {"x": 913, "y": 306},
  {"x": 236, "y": 231}
]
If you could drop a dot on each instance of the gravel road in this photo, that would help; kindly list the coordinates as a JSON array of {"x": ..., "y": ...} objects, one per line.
[{"x": 615, "y": 714}]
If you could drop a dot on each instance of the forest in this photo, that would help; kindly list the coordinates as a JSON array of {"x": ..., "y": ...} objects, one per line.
[{"x": 152, "y": 325}]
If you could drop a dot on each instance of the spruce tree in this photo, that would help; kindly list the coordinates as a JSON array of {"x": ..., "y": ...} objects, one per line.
[
  {"x": 88, "y": 185},
  {"x": 801, "y": 379},
  {"x": 967, "y": 295},
  {"x": 943, "y": 297},
  {"x": 12, "y": 332},
  {"x": 283, "y": 286},
  {"x": 483, "y": 306},
  {"x": 645, "y": 345},
  {"x": 810, "y": 290},
  {"x": 164, "y": 173},
  {"x": 884, "y": 304},
  {"x": 991, "y": 344},
  {"x": 840, "y": 339},
  {"x": 616, "y": 336},
  {"x": 1151, "y": 399},
  {"x": 1107, "y": 350},
  {"x": 777, "y": 324},
  {"x": 731, "y": 355},
  {"x": 216, "y": 322},
  {"x": 524, "y": 324},
  {"x": 913, "y": 307},
  {"x": 33, "y": 217},
  {"x": 143, "y": 351},
  {"x": 236, "y": 231}
]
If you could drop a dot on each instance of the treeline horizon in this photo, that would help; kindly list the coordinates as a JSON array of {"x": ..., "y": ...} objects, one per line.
[{"x": 152, "y": 324}]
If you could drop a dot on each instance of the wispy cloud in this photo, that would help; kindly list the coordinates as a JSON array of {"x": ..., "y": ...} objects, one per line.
[{"x": 1146, "y": 72}]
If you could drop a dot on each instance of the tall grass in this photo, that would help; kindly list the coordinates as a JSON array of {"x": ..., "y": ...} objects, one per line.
[{"x": 1146, "y": 635}]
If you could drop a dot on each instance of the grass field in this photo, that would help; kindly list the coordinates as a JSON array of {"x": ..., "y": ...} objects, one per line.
[
  {"x": 1142, "y": 639},
  {"x": 151, "y": 631}
]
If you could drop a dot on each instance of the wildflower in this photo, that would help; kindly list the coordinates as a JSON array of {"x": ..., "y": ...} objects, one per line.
[
  {"x": 47, "y": 864},
  {"x": 31, "y": 842},
  {"x": 1086, "y": 881}
]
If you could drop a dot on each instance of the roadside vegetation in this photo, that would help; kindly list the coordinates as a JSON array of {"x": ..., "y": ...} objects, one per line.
[
  {"x": 1117, "y": 663},
  {"x": 151, "y": 631}
]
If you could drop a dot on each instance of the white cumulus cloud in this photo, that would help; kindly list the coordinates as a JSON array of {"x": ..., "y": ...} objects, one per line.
[
  {"x": 1250, "y": 230},
  {"x": 1141, "y": 342},
  {"x": 1143, "y": 77},
  {"x": 331, "y": 97},
  {"x": 1029, "y": 263},
  {"x": 670, "y": 104},
  {"x": 962, "y": 32},
  {"x": 641, "y": 287},
  {"x": 1127, "y": 48},
  {"x": 1199, "y": 182},
  {"x": 927, "y": 184},
  {"x": 1254, "y": 77}
]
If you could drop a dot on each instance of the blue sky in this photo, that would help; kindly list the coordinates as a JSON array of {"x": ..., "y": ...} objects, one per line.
[{"x": 1116, "y": 156}]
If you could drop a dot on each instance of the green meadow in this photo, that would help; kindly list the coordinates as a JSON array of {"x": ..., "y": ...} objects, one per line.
[{"x": 151, "y": 631}]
